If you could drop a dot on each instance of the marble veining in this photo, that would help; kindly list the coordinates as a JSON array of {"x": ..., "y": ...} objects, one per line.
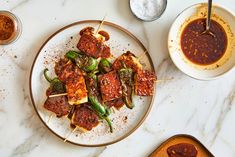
[
  {"x": 227, "y": 105},
  {"x": 182, "y": 104},
  {"x": 22, "y": 2}
]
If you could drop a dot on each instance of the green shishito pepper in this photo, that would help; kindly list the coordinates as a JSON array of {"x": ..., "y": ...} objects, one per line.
[
  {"x": 82, "y": 61},
  {"x": 101, "y": 110},
  {"x": 55, "y": 84},
  {"x": 109, "y": 123},
  {"x": 104, "y": 66},
  {"x": 126, "y": 77},
  {"x": 96, "y": 105}
]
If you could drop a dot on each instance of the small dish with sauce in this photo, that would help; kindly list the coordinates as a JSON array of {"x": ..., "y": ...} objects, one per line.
[
  {"x": 182, "y": 145},
  {"x": 203, "y": 56},
  {"x": 10, "y": 27}
]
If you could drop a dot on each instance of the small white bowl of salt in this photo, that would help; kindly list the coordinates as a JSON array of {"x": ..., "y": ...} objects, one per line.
[{"x": 148, "y": 10}]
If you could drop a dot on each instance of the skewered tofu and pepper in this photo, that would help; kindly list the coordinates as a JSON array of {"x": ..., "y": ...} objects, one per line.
[
  {"x": 95, "y": 99},
  {"x": 84, "y": 117},
  {"x": 90, "y": 84},
  {"x": 57, "y": 105},
  {"x": 73, "y": 78},
  {"x": 130, "y": 61}
]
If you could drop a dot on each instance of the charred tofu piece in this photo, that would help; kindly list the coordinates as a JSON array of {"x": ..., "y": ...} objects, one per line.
[
  {"x": 110, "y": 86},
  {"x": 117, "y": 103},
  {"x": 74, "y": 81},
  {"x": 130, "y": 61},
  {"x": 93, "y": 46},
  {"x": 89, "y": 45},
  {"x": 144, "y": 83},
  {"x": 59, "y": 65},
  {"x": 65, "y": 69},
  {"x": 84, "y": 117},
  {"x": 59, "y": 105},
  {"x": 76, "y": 90}
]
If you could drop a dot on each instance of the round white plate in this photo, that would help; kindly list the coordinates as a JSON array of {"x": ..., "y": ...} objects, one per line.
[
  {"x": 227, "y": 62},
  {"x": 125, "y": 121}
]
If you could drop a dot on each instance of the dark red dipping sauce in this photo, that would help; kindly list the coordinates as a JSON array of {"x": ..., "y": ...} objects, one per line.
[{"x": 203, "y": 49}]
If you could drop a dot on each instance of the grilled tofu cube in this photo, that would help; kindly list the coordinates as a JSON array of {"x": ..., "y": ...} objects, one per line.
[
  {"x": 92, "y": 46},
  {"x": 110, "y": 86},
  {"x": 59, "y": 105},
  {"x": 144, "y": 83},
  {"x": 84, "y": 117},
  {"x": 129, "y": 59},
  {"x": 76, "y": 89},
  {"x": 65, "y": 69},
  {"x": 117, "y": 103}
]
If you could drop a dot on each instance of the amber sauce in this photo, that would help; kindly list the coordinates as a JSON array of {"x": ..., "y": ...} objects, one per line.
[
  {"x": 203, "y": 49},
  {"x": 7, "y": 27}
]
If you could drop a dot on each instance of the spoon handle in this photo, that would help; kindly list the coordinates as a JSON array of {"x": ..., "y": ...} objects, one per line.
[{"x": 208, "y": 20}]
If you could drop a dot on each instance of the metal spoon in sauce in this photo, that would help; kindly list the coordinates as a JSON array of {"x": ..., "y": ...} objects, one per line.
[{"x": 208, "y": 20}]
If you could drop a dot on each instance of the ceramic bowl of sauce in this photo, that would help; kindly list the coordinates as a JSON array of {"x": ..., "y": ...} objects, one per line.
[
  {"x": 10, "y": 27},
  {"x": 203, "y": 56}
]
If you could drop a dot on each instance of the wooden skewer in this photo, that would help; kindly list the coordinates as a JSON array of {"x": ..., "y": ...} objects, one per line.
[
  {"x": 49, "y": 118},
  {"x": 100, "y": 24},
  {"x": 64, "y": 94},
  {"x": 70, "y": 134},
  {"x": 161, "y": 81},
  {"x": 164, "y": 80},
  {"x": 142, "y": 55},
  {"x": 56, "y": 95},
  {"x": 113, "y": 109}
]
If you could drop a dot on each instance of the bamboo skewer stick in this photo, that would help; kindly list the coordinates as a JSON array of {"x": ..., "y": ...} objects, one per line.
[
  {"x": 64, "y": 94},
  {"x": 113, "y": 109},
  {"x": 56, "y": 95},
  {"x": 70, "y": 134},
  {"x": 163, "y": 80},
  {"x": 142, "y": 55},
  {"x": 100, "y": 24},
  {"x": 49, "y": 118}
]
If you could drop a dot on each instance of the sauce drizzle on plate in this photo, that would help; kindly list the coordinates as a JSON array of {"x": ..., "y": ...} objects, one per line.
[{"x": 203, "y": 49}]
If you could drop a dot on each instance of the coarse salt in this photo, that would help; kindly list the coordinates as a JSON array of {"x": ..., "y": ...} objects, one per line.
[{"x": 147, "y": 9}]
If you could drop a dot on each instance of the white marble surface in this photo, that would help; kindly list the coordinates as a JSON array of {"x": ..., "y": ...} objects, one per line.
[{"x": 205, "y": 110}]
